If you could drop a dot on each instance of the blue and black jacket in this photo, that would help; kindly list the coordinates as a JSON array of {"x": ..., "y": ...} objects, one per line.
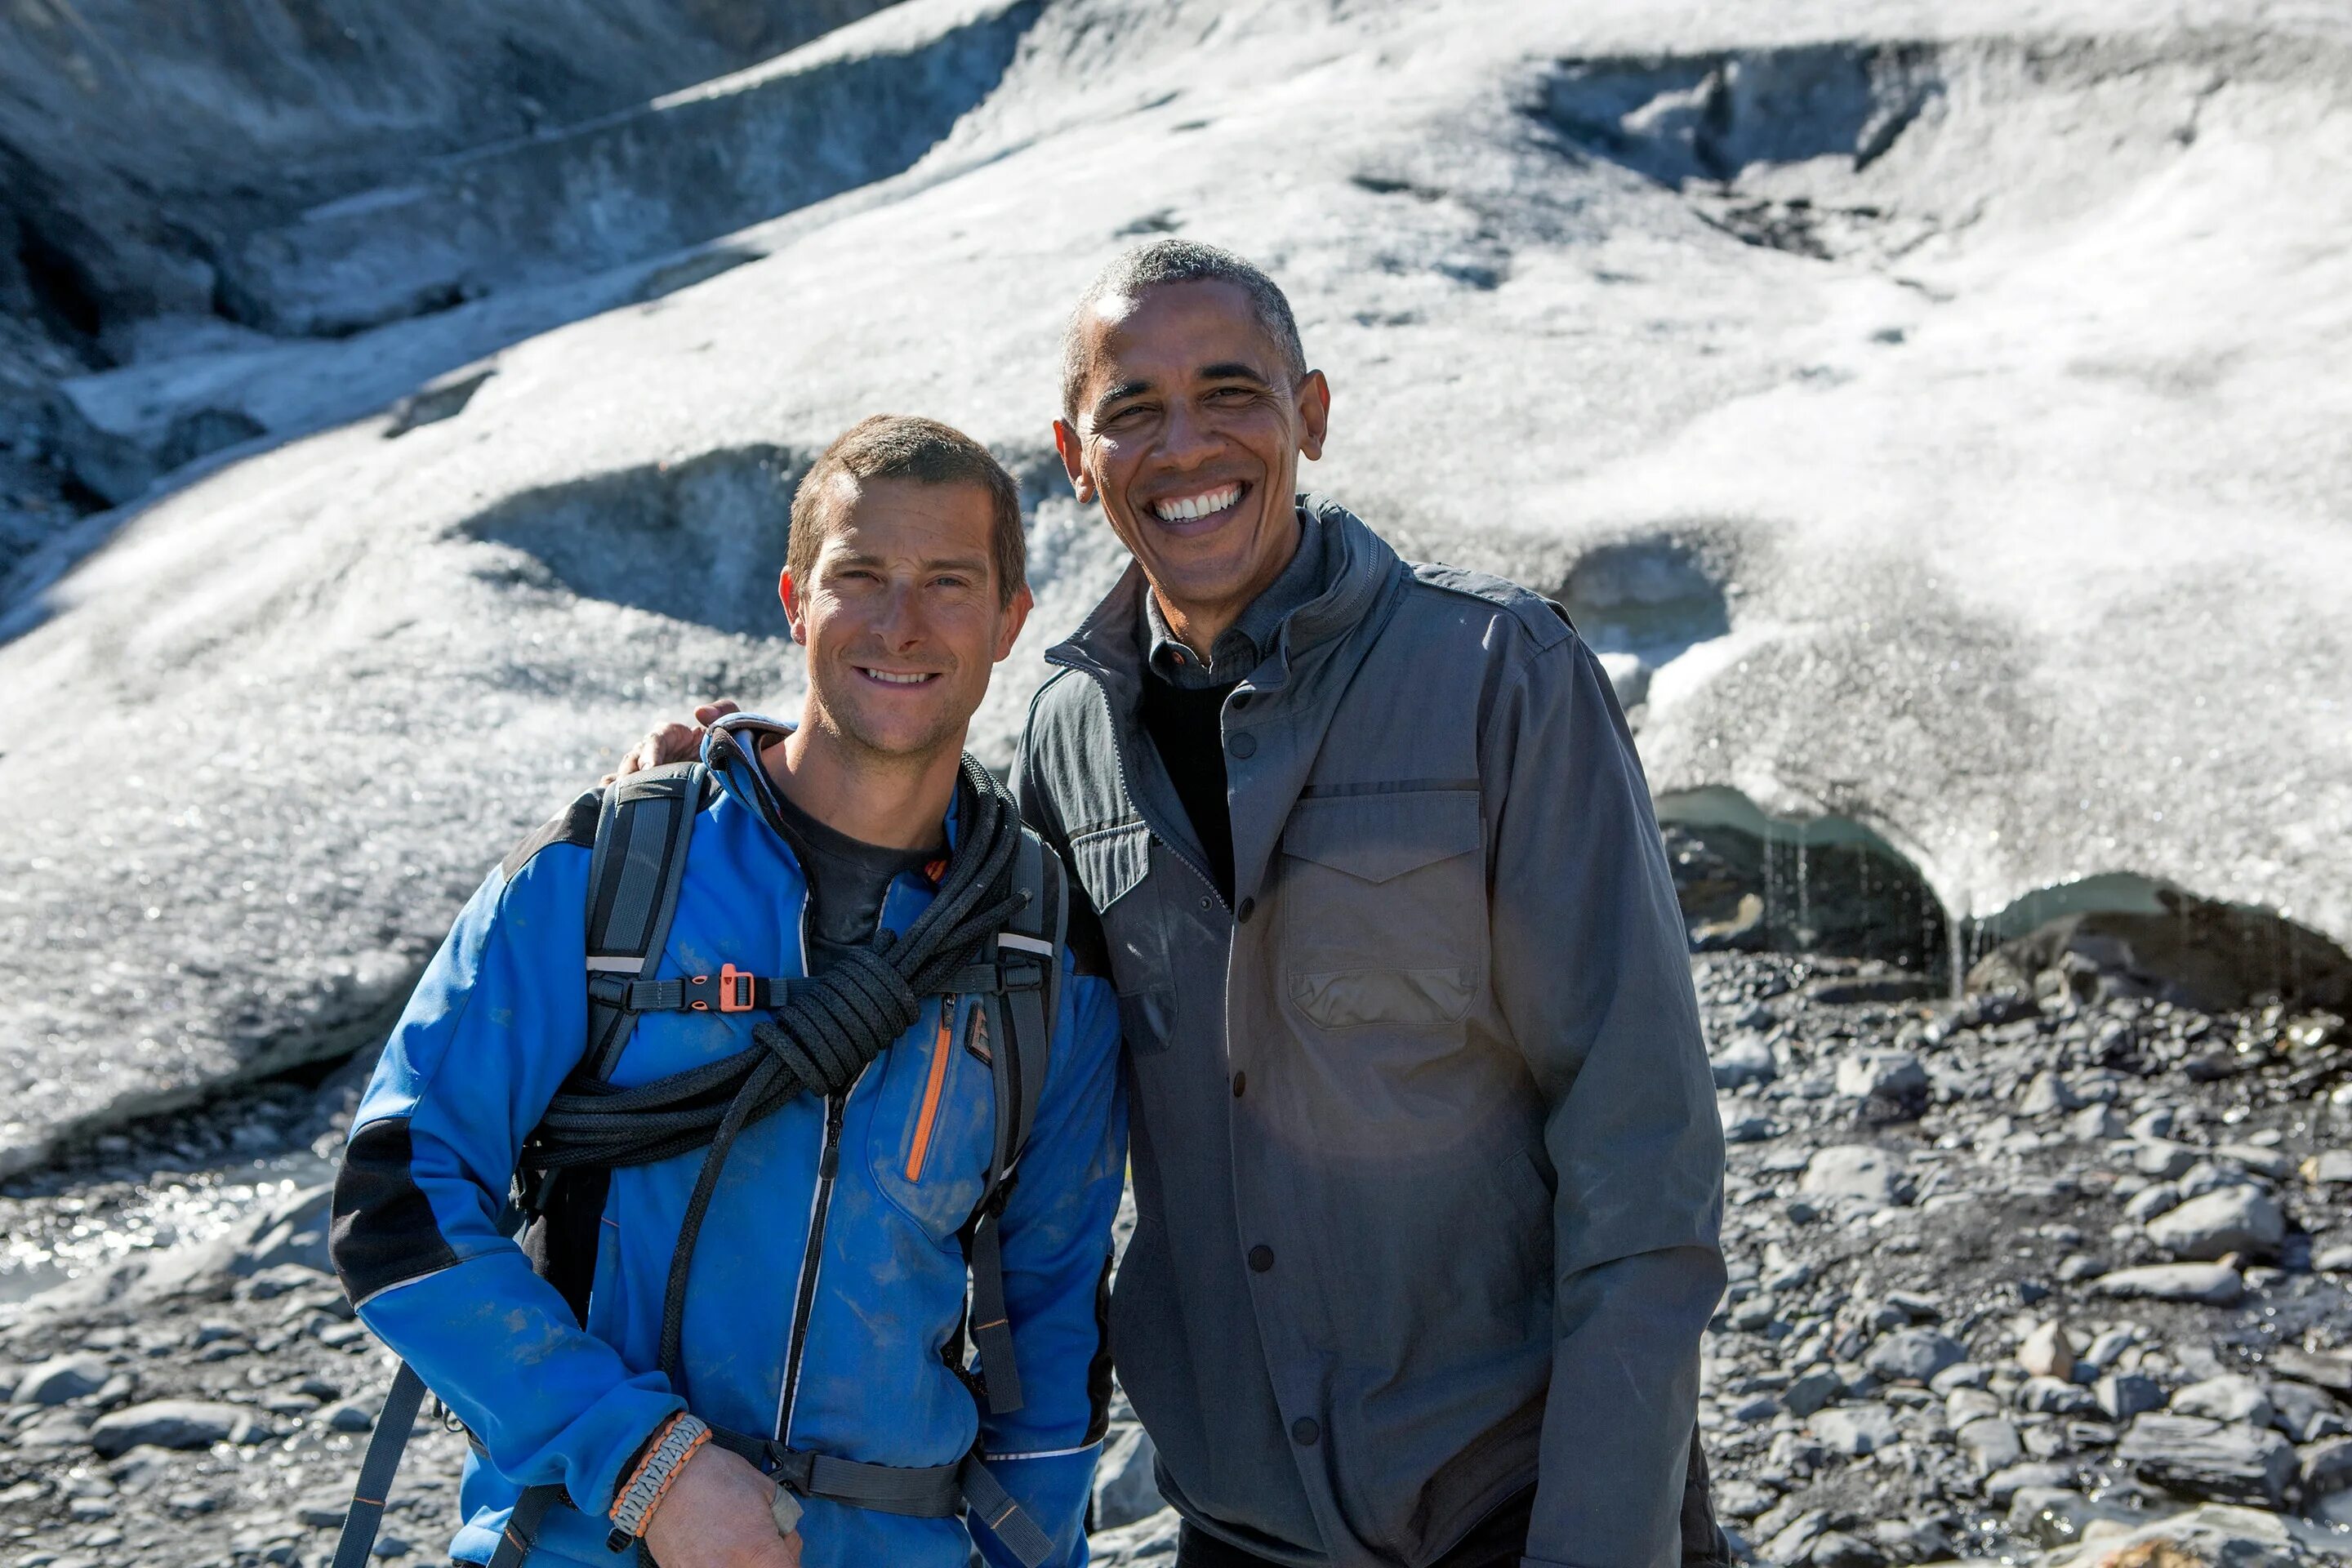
[{"x": 495, "y": 1026}]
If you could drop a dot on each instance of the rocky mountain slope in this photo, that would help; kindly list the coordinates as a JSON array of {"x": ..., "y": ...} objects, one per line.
[{"x": 2009, "y": 1280}]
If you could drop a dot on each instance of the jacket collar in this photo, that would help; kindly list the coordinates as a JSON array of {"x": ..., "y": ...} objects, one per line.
[
  {"x": 1297, "y": 689},
  {"x": 1357, "y": 563}
]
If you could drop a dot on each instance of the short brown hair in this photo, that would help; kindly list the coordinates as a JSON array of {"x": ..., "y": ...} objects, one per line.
[{"x": 908, "y": 447}]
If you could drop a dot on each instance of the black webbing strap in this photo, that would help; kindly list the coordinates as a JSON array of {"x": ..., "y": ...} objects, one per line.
[
  {"x": 522, "y": 1526},
  {"x": 1023, "y": 1011},
  {"x": 928, "y": 1491},
  {"x": 732, "y": 990},
  {"x": 985, "y": 1497},
  {"x": 365, "y": 1516}
]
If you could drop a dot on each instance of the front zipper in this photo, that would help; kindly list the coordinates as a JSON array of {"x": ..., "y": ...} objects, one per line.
[{"x": 828, "y": 1165}]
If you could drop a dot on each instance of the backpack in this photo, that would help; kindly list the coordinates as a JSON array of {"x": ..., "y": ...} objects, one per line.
[{"x": 644, "y": 824}]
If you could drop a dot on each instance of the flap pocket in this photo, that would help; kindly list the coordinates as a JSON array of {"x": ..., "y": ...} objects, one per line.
[
  {"x": 1110, "y": 861},
  {"x": 1378, "y": 838}
]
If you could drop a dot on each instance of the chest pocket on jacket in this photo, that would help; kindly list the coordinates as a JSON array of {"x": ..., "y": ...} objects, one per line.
[
  {"x": 1114, "y": 865},
  {"x": 1384, "y": 908},
  {"x": 934, "y": 1124}
]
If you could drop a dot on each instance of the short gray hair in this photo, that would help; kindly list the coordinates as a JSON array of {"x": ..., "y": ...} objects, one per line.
[{"x": 1176, "y": 261}]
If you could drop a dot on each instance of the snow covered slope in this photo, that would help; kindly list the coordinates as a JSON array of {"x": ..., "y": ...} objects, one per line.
[{"x": 1940, "y": 407}]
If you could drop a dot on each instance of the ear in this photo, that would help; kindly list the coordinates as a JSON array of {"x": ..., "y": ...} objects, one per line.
[
  {"x": 1073, "y": 460},
  {"x": 795, "y": 614},
  {"x": 1016, "y": 616},
  {"x": 1314, "y": 414}
]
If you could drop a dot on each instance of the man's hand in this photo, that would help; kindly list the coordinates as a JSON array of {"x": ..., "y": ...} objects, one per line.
[
  {"x": 717, "y": 1514},
  {"x": 673, "y": 742}
]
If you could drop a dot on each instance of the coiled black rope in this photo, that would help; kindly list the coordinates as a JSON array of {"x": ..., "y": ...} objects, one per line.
[{"x": 818, "y": 1043}]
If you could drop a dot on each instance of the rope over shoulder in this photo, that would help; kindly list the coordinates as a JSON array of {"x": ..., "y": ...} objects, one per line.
[{"x": 826, "y": 1033}]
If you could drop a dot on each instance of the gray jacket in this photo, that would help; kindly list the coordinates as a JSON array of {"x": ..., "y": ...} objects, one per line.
[{"x": 1427, "y": 1165}]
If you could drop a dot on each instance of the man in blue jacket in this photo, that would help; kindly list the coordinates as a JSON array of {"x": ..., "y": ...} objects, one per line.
[{"x": 825, "y": 1305}]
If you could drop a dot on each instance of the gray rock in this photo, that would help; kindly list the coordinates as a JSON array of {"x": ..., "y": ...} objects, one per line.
[
  {"x": 2124, "y": 1395},
  {"x": 2106, "y": 1347},
  {"x": 2305, "y": 1413},
  {"x": 1745, "y": 1061},
  {"x": 2151, "y": 1201},
  {"x": 349, "y": 1416},
  {"x": 61, "y": 1378},
  {"x": 2213, "y": 1284},
  {"x": 1810, "y": 1391},
  {"x": 2199, "y": 1457},
  {"x": 2232, "y": 1396},
  {"x": 2275, "y": 1163},
  {"x": 2055, "y": 1396},
  {"x": 2330, "y": 1167},
  {"x": 2325, "y": 1466},
  {"x": 2095, "y": 1124},
  {"x": 1148, "y": 1542},
  {"x": 1914, "y": 1355},
  {"x": 1794, "y": 1542},
  {"x": 1960, "y": 1375},
  {"x": 1854, "y": 1430},
  {"x": 1837, "y": 1549},
  {"x": 1992, "y": 1445},
  {"x": 1125, "y": 1490},
  {"x": 2162, "y": 1158},
  {"x": 1963, "y": 1406},
  {"x": 2047, "y": 1095},
  {"x": 1855, "y": 1173},
  {"x": 172, "y": 1424},
  {"x": 1893, "y": 1075},
  {"x": 2003, "y": 1485},
  {"x": 1913, "y": 1539},
  {"x": 2244, "y": 1220},
  {"x": 2322, "y": 1369}
]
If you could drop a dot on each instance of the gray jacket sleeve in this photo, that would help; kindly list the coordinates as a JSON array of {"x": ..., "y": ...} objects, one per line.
[{"x": 1591, "y": 969}]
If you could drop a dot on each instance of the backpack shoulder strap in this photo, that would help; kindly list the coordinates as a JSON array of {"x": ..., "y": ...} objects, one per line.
[
  {"x": 1023, "y": 1013},
  {"x": 635, "y": 872},
  {"x": 644, "y": 827}
]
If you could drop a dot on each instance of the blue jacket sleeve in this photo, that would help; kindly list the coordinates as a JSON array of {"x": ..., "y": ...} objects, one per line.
[
  {"x": 1056, "y": 1232},
  {"x": 497, "y": 1020}
]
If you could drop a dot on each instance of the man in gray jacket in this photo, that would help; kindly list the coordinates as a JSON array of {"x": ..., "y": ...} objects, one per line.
[{"x": 1428, "y": 1173}]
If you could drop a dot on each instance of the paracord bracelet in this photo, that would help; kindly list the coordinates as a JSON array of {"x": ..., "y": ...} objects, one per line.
[{"x": 665, "y": 1458}]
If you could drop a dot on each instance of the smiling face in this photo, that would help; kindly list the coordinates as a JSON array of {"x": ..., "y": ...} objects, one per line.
[
  {"x": 1189, "y": 430},
  {"x": 902, "y": 617}
]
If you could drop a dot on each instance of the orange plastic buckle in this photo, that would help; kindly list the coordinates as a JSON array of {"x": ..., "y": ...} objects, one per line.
[{"x": 735, "y": 990}]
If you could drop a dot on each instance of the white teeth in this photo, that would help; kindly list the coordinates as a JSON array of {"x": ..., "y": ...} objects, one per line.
[
  {"x": 888, "y": 679},
  {"x": 1191, "y": 507}
]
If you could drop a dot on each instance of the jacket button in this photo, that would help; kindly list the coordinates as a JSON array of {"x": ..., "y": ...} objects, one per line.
[
  {"x": 1304, "y": 1432},
  {"x": 1243, "y": 745},
  {"x": 1248, "y": 908},
  {"x": 1261, "y": 1259},
  {"x": 1240, "y": 1082}
]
